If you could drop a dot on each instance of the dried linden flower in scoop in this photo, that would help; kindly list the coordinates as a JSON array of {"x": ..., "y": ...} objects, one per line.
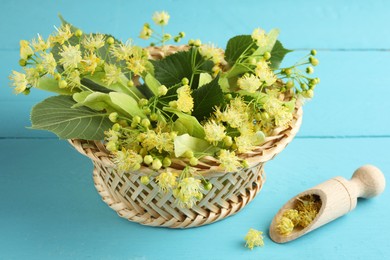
[
  {"x": 293, "y": 215},
  {"x": 285, "y": 226},
  {"x": 254, "y": 238}
]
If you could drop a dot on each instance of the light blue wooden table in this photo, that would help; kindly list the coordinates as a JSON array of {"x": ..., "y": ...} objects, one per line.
[{"x": 49, "y": 208}]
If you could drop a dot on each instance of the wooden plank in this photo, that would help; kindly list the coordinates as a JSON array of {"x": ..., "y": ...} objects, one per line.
[
  {"x": 325, "y": 24},
  {"x": 50, "y": 209}
]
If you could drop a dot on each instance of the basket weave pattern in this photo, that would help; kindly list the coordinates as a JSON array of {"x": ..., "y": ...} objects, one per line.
[{"x": 146, "y": 205}]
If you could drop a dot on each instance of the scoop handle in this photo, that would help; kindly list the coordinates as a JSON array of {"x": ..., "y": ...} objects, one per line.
[{"x": 368, "y": 181}]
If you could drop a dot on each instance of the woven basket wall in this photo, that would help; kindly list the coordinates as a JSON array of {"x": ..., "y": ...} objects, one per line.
[{"x": 146, "y": 205}]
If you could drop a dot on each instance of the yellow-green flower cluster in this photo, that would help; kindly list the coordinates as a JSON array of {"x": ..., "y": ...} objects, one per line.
[
  {"x": 201, "y": 102},
  {"x": 303, "y": 213},
  {"x": 254, "y": 238}
]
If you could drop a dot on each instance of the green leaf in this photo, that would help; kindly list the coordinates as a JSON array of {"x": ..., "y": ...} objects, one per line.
[
  {"x": 236, "y": 46},
  {"x": 50, "y": 84},
  {"x": 127, "y": 103},
  {"x": 277, "y": 54},
  {"x": 206, "y": 98},
  {"x": 186, "y": 124},
  {"x": 172, "y": 69},
  {"x": 198, "y": 146},
  {"x": 57, "y": 115}
]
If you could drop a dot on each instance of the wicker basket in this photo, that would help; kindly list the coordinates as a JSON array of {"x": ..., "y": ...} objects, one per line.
[{"x": 146, "y": 205}]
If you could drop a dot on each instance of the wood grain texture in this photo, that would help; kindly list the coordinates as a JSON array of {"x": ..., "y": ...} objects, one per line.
[
  {"x": 50, "y": 209},
  {"x": 53, "y": 210}
]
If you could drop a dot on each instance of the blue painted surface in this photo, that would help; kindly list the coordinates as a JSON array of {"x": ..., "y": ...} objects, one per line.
[{"x": 50, "y": 209}]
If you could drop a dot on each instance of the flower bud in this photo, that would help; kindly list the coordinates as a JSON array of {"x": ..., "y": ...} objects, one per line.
[
  {"x": 156, "y": 164},
  {"x": 145, "y": 122},
  {"x": 148, "y": 159},
  {"x": 313, "y": 52},
  {"x": 26, "y": 91},
  {"x": 194, "y": 161},
  {"x": 228, "y": 140},
  {"x": 130, "y": 83},
  {"x": 78, "y": 33},
  {"x": 207, "y": 185},
  {"x": 62, "y": 84},
  {"x": 197, "y": 43},
  {"x": 154, "y": 117},
  {"x": 185, "y": 81},
  {"x": 309, "y": 70},
  {"x": 288, "y": 71},
  {"x": 145, "y": 180},
  {"x": 188, "y": 154},
  {"x": 113, "y": 117},
  {"x": 167, "y": 162},
  {"x": 110, "y": 40},
  {"x": 267, "y": 55},
  {"x": 162, "y": 90},
  {"x": 22, "y": 62},
  {"x": 57, "y": 76},
  {"x": 182, "y": 34},
  {"x": 290, "y": 84},
  {"x": 116, "y": 127},
  {"x": 143, "y": 102},
  {"x": 313, "y": 61},
  {"x": 137, "y": 119}
]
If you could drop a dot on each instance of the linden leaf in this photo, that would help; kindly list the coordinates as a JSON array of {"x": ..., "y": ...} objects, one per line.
[
  {"x": 206, "y": 98},
  {"x": 57, "y": 115},
  {"x": 277, "y": 54},
  {"x": 183, "y": 64},
  {"x": 236, "y": 46}
]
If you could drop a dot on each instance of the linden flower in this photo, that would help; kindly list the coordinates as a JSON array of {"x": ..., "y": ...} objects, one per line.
[
  {"x": 166, "y": 181},
  {"x": 146, "y": 32},
  {"x": 112, "y": 74},
  {"x": 39, "y": 44},
  {"x": 161, "y": 18},
  {"x": 264, "y": 73},
  {"x": 127, "y": 160},
  {"x": 259, "y": 36},
  {"x": 236, "y": 113},
  {"x": 210, "y": 52},
  {"x": 74, "y": 79},
  {"x": 215, "y": 132},
  {"x": 90, "y": 62},
  {"x": 63, "y": 34},
  {"x": 25, "y": 50},
  {"x": 93, "y": 42},
  {"x": 254, "y": 238},
  {"x": 188, "y": 192},
  {"x": 283, "y": 117},
  {"x": 229, "y": 161},
  {"x": 49, "y": 63},
  {"x": 136, "y": 65},
  {"x": 160, "y": 141},
  {"x": 122, "y": 51},
  {"x": 292, "y": 214},
  {"x": 249, "y": 83},
  {"x": 32, "y": 76},
  {"x": 19, "y": 81},
  {"x": 272, "y": 105},
  {"x": 285, "y": 226},
  {"x": 185, "y": 102},
  {"x": 71, "y": 56},
  {"x": 245, "y": 143}
]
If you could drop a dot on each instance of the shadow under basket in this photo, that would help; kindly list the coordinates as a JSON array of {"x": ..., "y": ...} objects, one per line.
[{"x": 146, "y": 205}]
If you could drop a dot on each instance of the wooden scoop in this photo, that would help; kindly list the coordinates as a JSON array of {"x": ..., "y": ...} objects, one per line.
[{"x": 338, "y": 196}]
